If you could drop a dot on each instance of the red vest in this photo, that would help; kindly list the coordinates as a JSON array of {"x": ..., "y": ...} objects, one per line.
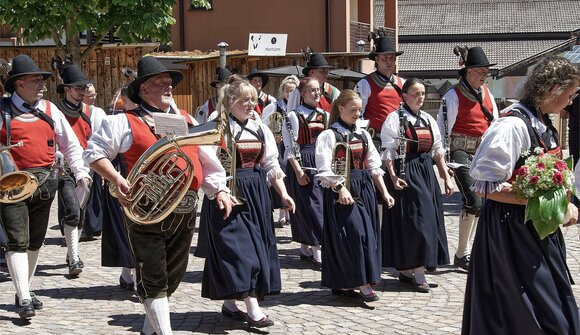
[
  {"x": 383, "y": 100},
  {"x": 262, "y": 103},
  {"x": 143, "y": 138},
  {"x": 39, "y": 141},
  {"x": 310, "y": 129},
  {"x": 470, "y": 118},
  {"x": 81, "y": 127},
  {"x": 325, "y": 102}
]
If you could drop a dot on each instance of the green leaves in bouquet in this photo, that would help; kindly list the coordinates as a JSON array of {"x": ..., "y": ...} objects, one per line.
[
  {"x": 570, "y": 163},
  {"x": 547, "y": 211}
]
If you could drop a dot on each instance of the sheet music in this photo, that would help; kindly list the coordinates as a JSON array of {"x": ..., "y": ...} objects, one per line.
[{"x": 170, "y": 124}]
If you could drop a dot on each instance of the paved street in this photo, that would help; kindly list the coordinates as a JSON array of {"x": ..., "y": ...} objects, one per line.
[{"x": 94, "y": 303}]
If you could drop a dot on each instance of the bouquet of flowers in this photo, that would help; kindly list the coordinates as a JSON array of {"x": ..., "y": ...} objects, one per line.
[{"x": 546, "y": 181}]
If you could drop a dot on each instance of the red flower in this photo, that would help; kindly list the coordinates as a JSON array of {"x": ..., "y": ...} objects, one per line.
[
  {"x": 558, "y": 178},
  {"x": 534, "y": 179},
  {"x": 541, "y": 166},
  {"x": 523, "y": 171},
  {"x": 561, "y": 166}
]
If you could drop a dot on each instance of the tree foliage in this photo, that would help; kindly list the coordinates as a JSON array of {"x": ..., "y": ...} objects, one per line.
[{"x": 62, "y": 21}]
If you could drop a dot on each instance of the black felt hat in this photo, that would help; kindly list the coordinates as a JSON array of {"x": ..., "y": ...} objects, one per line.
[
  {"x": 223, "y": 73},
  {"x": 316, "y": 61},
  {"x": 72, "y": 75},
  {"x": 383, "y": 45},
  {"x": 257, "y": 73},
  {"x": 23, "y": 65},
  {"x": 148, "y": 67},
  {"x": 477, "y": 58}
]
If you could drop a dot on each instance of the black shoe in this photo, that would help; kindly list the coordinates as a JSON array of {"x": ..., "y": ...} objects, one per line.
[
  {"x": 369, "y": 297},
  {"x": 37, "y": 304},
  {"x": 264, "y": 322},
  {"x": 306, "y": 258},
  {"x": 422, "y": 288},
  {"x": 431, "y": 269},
  {"x": 236, "y": 315},
  {"x": 26, "y": 309},
  {"x": 406, "y": 279},
  {"x": 462, "y": 262},
  {"x": 345, "y": 293},
  {"x": 75, "y": 269},
  {"x": 82, "y": 265},
  {"x": 126, "y": 285}
]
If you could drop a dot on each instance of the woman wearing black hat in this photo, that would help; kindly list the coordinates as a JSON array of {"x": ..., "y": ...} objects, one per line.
[
  {"x": 203, "y": 112},
  {"x": 470, "y": 110},
  {"x": 306, "y": 122},
  {"x": 84, "y": 120},
  {"x": 266, "y": 103},
  {"x": 519, "y": 283},
  {"x": 25, "y": 222},
  {"x": 413, "y": 232},
  {"x": 380, "y": 91},
  {"x": 160, "y": 250}
]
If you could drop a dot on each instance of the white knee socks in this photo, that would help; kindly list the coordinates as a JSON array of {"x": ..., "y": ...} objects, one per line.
[
  {"x": 71, "y": 236},
  {"x": 253, "y": 309},
  {"x": 32, "y": 261},
  {"x": 157, "y": 310},
  {"x": 18, "y": 267},
  {"x": 466, "y": 227}
]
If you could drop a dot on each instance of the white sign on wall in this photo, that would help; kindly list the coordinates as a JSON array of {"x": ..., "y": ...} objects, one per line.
[{"x": 267, "y": 44}]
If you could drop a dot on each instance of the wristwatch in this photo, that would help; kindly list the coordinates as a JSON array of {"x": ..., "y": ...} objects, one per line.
[{"x": 338, "y": 187}]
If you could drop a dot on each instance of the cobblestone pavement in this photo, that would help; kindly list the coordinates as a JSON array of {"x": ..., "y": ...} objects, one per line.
[{"x": 94, "y": 303}]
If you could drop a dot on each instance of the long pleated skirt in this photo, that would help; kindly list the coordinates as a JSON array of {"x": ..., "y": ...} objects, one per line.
[
  {"x": 94, "y": 213},
  {"x": 307, "y": 221},
  {"x": 351, "y": 249},
  {"x": 242, "y": 256},
  {"x": 413, "y": 231},
  {"x": 517, "y": 283}
]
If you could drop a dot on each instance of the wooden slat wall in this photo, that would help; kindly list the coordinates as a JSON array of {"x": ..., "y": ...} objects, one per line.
[{"x": 108, "y": 78}]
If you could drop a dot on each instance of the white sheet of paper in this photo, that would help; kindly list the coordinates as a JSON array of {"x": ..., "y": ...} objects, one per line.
[
  {"x": 170, "y": 124},
  {"x": 456, "y": 165}
]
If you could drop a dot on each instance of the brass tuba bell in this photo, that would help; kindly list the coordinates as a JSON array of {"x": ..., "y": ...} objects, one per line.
[
  {"x": 163, "y": 174},
  {"x": 15, "y": 185}
]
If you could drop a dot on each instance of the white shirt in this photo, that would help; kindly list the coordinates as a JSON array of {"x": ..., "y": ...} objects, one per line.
[
  {"x": 501, "y": 146},
  {"x": 203, "y": 112},
  {"x": 115, "y": 136},
  {"x": 324, "y": 147},
  {"x": 66, "y": 139},
  {"x": 292, "y": 118},
  {"x": 453, "y": 109},
  {"x": 390, "y": 130}
]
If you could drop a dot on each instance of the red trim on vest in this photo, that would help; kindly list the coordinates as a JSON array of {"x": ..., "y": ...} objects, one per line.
[
  {"x": 309, "y": 130},
  {"x": 470, "y": 118},
  {"x": 36, "y": 136},
  {"x": 143, "y": 138},
  {"x": 381, "y": 102},
  {"x": 249, "y": 153},
  {"x": 80, "y": 127},
  {"x": 259, "y": 108}
]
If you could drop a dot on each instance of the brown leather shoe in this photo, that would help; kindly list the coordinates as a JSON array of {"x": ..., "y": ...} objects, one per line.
[{"x": 262, "y": 323}]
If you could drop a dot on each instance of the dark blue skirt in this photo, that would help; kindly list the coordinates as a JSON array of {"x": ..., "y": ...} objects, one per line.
[
  {"x": 94, "y": 211},
  {"x": 276, "y": 200},
  {"x": 351, "y": 252},
  {"x": 307, "y": 221},
  {"x": 413, "y": 231},
  {"x": 202, "y": 234},
  {"x": 242, "y": 256},
  {"x": 115, "y": 250},
  {"x": 517, "y": 283}
]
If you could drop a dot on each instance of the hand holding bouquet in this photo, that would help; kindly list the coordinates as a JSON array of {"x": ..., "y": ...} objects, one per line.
[{"x": 546, "y": 181}]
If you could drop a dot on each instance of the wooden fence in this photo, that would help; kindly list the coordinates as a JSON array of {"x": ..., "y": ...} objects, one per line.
[{"x": 103, "y": 65}]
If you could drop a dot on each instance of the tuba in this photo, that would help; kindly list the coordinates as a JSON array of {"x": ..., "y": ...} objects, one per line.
[
  {"x": 341, "y": 165},
  {"x": 15, "y": 185},
  {"x": 163, "y": 174}
]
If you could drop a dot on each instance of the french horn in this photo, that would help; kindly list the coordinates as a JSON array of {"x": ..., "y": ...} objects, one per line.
[
  {"x": 163, "y": 174},
  {"x": 15, "y": 185}
]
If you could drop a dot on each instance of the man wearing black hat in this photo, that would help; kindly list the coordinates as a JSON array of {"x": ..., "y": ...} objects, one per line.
[
  {"x": 380, "y": 91},
  {"x": 266, "y": 103},
  {"x": 202, "y": 114},
  {"x": 84, "y": 120},
  {"x": 160, "y": 250},
  {"x": 318, "y": 67},
  {"x": 41, "y": 126},
  {"x": 470, "y": 110}
]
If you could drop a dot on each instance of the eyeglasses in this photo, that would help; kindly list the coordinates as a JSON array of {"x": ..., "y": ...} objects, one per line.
[
  {"x": 248, "y": 101},
  {"x": 80, "y": 88}
]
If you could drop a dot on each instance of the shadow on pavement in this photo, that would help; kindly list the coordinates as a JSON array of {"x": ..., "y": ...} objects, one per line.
[{"x": 111, "y": 292}]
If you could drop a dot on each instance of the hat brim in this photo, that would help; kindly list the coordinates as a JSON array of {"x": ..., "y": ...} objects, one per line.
[
  {"x": 60, "y": 87},
  {"x": 265, "y": 78},
  {"x": 9, "y": 84},
  {"x": 373, "y": 54},
  {"x": 308, "y": 68},
  {"x": 480, "y": 65},
  {"x": 133, "y": 87}
]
